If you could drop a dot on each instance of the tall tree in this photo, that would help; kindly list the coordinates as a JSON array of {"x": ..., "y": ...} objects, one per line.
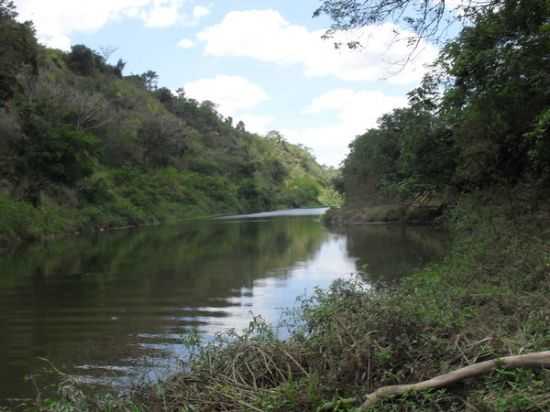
[
  {"x": 150, "y": 80},
  {"x": 18, "y": 50},
  {"x": 500, "y": 87}
]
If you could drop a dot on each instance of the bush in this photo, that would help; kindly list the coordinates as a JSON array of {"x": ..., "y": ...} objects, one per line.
[
  {"x": 21, "y": 221},
  {"x": 487, "y": 299}
]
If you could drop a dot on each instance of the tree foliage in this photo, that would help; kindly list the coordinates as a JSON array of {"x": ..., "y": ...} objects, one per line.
[
  {"x": 480, "y": 119},
  {"x": 427, "y": 19},
  {"x": 19, "y": 49}
]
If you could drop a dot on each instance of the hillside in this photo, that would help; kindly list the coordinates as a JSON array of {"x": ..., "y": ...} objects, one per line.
[{"x": 85, "y": 147}]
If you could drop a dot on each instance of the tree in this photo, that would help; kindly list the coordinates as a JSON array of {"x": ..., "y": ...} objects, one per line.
[
  {"x": 119, "y": 68},
  {"x": 7, "y": 10},
  {"x": 488, "y": 125},
  {"x": 60, "y": 103},
  {"x": 241, "y": 126},
  {"x": 209, "y": 106},
  {"x": 427, "y": 19},
  {"x": 51, "y": 153},
  {"x": 276, "y": 136},
  {"x": 499, "y": 70},
  {"x": 150, "y": 80},
  {"x": 162, "y": 140},
  {"x": 11, "y": 138},
  {"x": 82, "y": 60},
  {"x": 165, "y": 96},
  {"x": 19, "y": 50}
]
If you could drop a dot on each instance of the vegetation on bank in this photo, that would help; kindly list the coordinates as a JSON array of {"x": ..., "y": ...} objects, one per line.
[
  {"x": 476, "y": 135},
  {"x": 487, "y": 299},
  {"x": 85, "y": 147},
  {"x": 479, "y": 119}
]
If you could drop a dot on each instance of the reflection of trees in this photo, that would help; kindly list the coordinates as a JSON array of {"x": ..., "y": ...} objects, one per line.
[
  {"x": 387, "y": 252},
  {"x": 78, "y": 299}
]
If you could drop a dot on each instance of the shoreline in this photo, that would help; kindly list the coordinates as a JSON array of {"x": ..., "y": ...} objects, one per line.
[
  {"x": 351, "y": 339},
  {"x": 387, "y": 214}
]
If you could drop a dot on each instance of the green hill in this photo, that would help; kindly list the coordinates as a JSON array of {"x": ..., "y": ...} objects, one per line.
[{"x": 85, "y": 147}]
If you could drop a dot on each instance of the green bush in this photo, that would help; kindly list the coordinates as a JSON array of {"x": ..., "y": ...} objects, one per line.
[{"x": 21, "y": 221}]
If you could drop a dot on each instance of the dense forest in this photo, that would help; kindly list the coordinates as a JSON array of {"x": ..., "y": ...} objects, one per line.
[
  {"x": 85, "y": 147},
  {"x": 479, "y": 120}
]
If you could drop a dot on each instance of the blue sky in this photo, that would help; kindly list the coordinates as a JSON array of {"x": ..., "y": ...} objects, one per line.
[{"x": 260, "y": 61}]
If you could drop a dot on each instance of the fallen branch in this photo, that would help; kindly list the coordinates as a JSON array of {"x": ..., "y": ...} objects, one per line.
[{"x": 532, "y": 360}]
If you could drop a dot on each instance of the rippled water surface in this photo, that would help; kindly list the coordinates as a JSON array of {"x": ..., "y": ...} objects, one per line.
[{"x": 115, "y": 306}]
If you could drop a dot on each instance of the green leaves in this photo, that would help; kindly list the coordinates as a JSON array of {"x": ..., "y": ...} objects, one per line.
[
  {"x": 488, "y": 126},
  {"x": 19, "y": 50}
]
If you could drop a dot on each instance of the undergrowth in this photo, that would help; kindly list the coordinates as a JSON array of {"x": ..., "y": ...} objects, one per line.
[{"x": 489, "y": 298}]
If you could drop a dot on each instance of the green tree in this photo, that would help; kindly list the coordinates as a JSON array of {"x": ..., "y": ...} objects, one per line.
[
  {"x": 241, "y": 126},
  {"x": 119, "y": 68},
  {"x": 56, "y": 154},
  {"x": 488, "y": 126},
  {"x": 499, "y": 69},
  {"x": 19, "y": 50},
  {"x": 150, "y": 80},
  {"x": 82, "y": 60},
  {"x": 166, "y": 97}
]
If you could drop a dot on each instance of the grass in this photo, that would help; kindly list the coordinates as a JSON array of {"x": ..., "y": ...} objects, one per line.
[{"x": 490, "y": 297}]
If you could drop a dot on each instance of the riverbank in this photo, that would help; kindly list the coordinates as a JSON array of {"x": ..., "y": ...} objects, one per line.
[
  {"x": 487, "y": 299},
  {"x": 20, "y": 222},
  {"x": 425, "y": 210}
]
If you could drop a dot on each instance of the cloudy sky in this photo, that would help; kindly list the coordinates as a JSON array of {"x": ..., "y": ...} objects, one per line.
[{"x": 260, "y": 61}]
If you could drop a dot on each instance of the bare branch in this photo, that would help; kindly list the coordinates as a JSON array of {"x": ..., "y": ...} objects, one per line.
[
  {"x": 107, "y": 51},
  {"x": 532, "y": 360},
  {"x": 427, "y": 19}
]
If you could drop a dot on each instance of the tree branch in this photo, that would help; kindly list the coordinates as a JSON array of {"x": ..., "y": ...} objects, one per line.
[{"x": 532, "y": 360}]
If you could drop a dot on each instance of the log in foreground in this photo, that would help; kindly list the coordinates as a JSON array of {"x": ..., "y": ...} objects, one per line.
[{"x": 532, "y": 360}]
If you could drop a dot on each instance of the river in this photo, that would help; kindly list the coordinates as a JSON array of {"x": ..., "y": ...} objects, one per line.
[{"x": 113, "y": 307}]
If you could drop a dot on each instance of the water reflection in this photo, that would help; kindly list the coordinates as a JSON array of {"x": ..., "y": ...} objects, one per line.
[
  {"x": 387, "y": 252},
  {"x": 119, "y": 303}
]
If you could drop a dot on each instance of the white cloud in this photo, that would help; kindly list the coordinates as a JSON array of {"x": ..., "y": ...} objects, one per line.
[
  {"x": 162, "y": 14},
  {"x": 231, "y": 94},
  {"x": 257, "y": 123},
  {"x": 355, "y": 112},
  {"x": 360, "y": 109},
  {"x": 266, "y": 36},
  {"x": 200, "y": 12},
  {"x": 186, "y": 43},
  {"x": 56, "y": 20}
]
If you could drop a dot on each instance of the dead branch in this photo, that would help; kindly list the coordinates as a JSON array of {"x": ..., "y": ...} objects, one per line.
[{"x": 532, "y": 360}]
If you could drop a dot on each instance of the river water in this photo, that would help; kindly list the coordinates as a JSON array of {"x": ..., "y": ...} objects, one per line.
[{"x": 114, "y": 307}]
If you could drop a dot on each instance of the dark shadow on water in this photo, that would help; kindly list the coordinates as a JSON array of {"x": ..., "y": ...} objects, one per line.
[{"x": 386, "y": 253}]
